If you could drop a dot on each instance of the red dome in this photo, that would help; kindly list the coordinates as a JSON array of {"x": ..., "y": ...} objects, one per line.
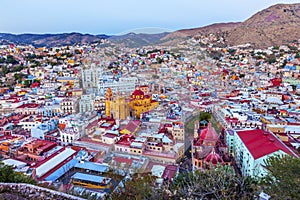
[
  {"x": 138, "y": 92},
  {"x": 213, "y": 158}
]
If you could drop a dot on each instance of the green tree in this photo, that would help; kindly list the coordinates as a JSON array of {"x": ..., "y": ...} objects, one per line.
[
  {"x": 10, "y": 59},
  {"x": 139, "y": 187},
  {"x": 205, "y": 116},
  {"x": 18, "y": 77},
  {"x": 271, "y": 59},
  {"x": 8, "y": 175},
  {"x": 242, "y": 75},
  {"x": 283, "y": 179}
]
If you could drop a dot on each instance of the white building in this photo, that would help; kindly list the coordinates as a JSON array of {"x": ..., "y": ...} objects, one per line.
[
  {"x": 28, "y": 123},
  {"x": 69, "y": 105},
  {"x": 53, "y": 162},
  {"x": 69, "y": 135}
]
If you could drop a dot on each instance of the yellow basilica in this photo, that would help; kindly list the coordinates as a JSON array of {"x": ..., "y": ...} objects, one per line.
[{"x": 137, "y": 104}]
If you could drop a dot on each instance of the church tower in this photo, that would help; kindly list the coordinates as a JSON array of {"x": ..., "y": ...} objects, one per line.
[
  {"x": 108, "y": 101},
  {"x": 196, "y": 128}
]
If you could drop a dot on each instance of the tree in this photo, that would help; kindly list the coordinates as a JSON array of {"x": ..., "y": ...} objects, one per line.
[
  {"x": 18, "y": 77},
  {"x": 154, "y": 76},
  {"x": 218, "y": 183},
  {"x": 271, "y": 59},
  {"x": 283, "y": 178},
  {"x": 139, "y": 187},
  {"x": 242, "y": 75},
  {"x": 11, "y": 60},
  {"x": 8, "y": 175},
  {"x": 205, "y": 116}
]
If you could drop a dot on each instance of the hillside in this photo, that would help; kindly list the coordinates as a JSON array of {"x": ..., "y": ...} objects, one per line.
[
  {"x": 276, "y": 25},
  {"x": 181, "y": 35},
  {"x": 52, "y": 39},
  {"x": 137, "y": 40},
  {"x": 213, "y": 28}
]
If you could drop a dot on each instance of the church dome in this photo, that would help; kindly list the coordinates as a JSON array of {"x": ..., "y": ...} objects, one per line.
[
  {"x": 213, "y": 158},
  {"x": 137, "y": 94}
]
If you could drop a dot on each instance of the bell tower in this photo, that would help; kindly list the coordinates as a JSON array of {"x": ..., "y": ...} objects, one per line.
[
  {"x": 196, "y": 129},
  {"x": 108, "y": 101}
]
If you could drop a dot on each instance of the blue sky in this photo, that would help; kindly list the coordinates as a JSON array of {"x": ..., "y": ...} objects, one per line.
[{"x": 116, "y": 16}]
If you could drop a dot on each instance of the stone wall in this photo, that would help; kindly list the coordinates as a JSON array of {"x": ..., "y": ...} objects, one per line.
[{"x": 34, "y": 192}]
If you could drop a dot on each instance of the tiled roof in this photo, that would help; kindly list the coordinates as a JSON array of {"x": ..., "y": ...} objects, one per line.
[
  {"x": 29, "y": 105},
  {"x": 132, "y": 126},
  {"x": 126, "y": 140}
]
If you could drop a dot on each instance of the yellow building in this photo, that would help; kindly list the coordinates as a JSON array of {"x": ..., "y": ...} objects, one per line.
[
  {"x": 108, "y": 100},
  {"x": 77, "y": 92},
  {"x": 141, "y": 103},
  {"x": 119, "y": 108},
  {"x": 116, "y": 108}
]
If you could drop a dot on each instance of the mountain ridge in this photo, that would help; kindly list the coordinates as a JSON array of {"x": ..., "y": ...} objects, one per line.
[
  {"x": 52, "y": 39},
  {"x": 275, "y": 25}
]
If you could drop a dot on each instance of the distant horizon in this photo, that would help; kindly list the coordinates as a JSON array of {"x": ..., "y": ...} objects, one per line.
[
  {"x": 151, "y": 30},
  {"x": 122, "y": 17}
]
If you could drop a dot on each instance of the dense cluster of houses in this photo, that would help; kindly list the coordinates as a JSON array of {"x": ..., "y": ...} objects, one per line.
[
  {"x": 255, "y": 101},
  {"x": 65, "y": 107},
  {"x": 77, "y": 112}
]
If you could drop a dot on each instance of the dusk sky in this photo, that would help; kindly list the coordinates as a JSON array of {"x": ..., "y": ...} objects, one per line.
[{"x": 117, "y": 16}]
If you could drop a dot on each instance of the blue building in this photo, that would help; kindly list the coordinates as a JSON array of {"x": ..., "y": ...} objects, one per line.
[
  {"x": 41, "y": 130},
  {"x": 51, "y": 109}
]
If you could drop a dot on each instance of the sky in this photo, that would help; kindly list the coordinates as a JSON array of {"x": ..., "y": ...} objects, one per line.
[{"x": 121, "y": 16}]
